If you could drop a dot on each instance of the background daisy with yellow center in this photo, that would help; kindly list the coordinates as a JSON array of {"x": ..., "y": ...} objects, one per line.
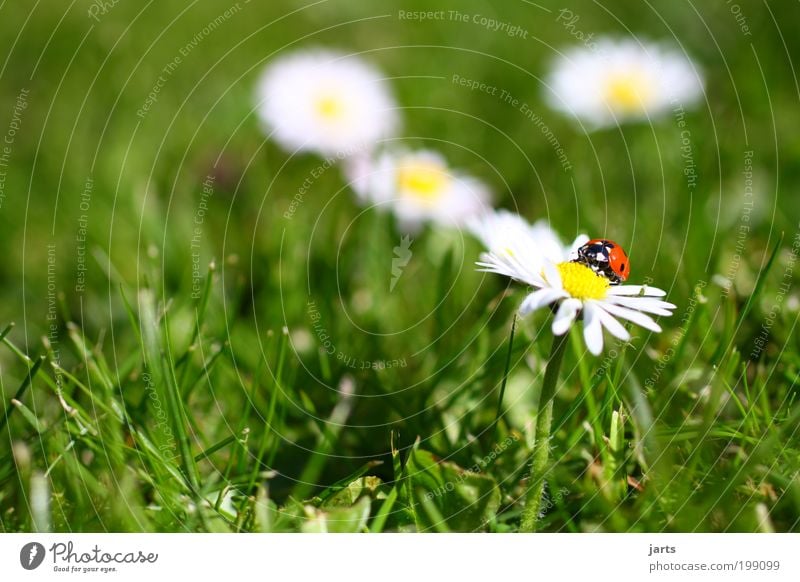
[
  {"x": 326, "y": 102},
  {"x": 616, "y": 81},
  {"x": 418, "y": 186}
]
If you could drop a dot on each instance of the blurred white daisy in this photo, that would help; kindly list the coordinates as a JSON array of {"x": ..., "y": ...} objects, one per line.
[
  {"x": 326, "y": 102},
  {"x": 418, "y": 186},
  {"x": 534, "y": 255},
  {"x": 620, "y": 80}
]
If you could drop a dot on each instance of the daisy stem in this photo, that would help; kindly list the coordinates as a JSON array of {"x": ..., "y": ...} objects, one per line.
[{"x": 541, "y": 444}]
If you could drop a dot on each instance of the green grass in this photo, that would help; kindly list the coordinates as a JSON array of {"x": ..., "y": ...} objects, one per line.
[{"x": 243, "y": 400}]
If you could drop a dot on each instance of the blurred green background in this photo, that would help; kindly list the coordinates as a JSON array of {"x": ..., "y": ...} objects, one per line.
[{"x": 710, "y": 445}]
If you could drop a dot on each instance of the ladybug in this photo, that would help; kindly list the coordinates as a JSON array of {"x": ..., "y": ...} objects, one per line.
[{"x": 606, "y": 258}]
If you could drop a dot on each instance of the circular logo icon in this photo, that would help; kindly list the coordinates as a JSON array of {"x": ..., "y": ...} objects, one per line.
[{"x": 31, "y": 555}]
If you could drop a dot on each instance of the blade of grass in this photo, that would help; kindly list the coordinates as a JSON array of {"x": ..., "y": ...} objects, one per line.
[
  {"x": 503, "y": 382},
  {"x": 269, "y": 428},
  {"x": 383, "y": 513},
  {"x": 21, "y": 390},
  {"x": 326, "y": 441},
  {"x": 28, "y": 415},
  {"x": 751, "y": 300}
]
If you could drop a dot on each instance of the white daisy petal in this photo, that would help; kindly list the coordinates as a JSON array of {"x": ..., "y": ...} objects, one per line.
[
  {"x": 548, "y": 245},
  {"x": 610, "y": 323},
  {"x": 509, "y": 235},
  {"x": 592, "y": 330},
  {"x": 643, "y": 290},
  {"x": 649, "y": 301},
  {"x": 644, "y": 304},
  {"x": 494, "y": 264},
  {"x": 565, "y": 316},
  {"x": 636, "y": 317},
  {"x": 504, "y": 265},
  {"x": 539, "y": 299},
  {"x": 648, "y": 309},
  {"x": 552, "y": 276},
  {"x": 501, "y": 230},
  {"x": 532, "y": 277}
]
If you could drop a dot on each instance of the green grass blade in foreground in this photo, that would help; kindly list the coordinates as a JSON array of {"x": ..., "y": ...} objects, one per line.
[
  {"x": 499, "y": 411},
  {"x": 327, "y": 440},
  {"x": 21, "y": 391},
  {"x": 751, "y": 300}
]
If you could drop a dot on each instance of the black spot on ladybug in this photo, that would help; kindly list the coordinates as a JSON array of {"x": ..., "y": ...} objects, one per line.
[{"x": 622, "y": 266}]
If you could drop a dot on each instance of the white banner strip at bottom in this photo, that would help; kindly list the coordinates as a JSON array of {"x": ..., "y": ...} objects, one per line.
[{"x": 401, "y": 557}]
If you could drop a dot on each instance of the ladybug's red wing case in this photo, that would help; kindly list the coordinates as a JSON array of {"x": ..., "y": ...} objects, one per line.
[
  {"x": 606, "y": 258},
  {"x": 619, "y": 262}
]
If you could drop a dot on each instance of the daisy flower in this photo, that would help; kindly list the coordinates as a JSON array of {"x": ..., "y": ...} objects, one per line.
[
  {"x": 534, "y": 255},
  {"x": 620, "y": 80},
  {"x": 326, "y": 102},
  {"x": 418, "y": 186}
]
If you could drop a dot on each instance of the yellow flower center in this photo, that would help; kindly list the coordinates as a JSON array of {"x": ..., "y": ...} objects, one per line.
[
  {"x": 628, "y": 91},
  {"x": 424, "y": 180},
  {"x": 581, "y": 282},
  {"x": 329, "y": 107}
]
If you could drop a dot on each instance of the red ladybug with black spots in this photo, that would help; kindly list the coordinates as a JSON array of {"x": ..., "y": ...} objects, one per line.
[{"x": 606, "y": 258}]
